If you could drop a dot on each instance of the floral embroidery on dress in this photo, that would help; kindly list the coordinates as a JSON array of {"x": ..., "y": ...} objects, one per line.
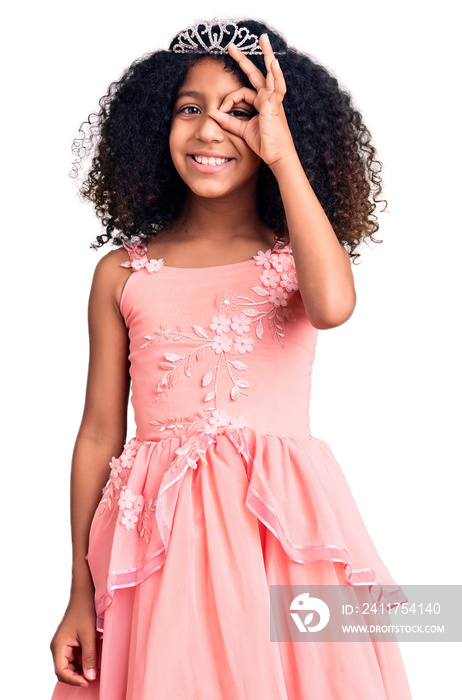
[
  {"x": 218, "y": 341},
  {"x": 220, "y": 422},
  {"x": 279, "y": 280},
  {"x": 134, "y": 510},
  {"x": 228, "y": 335}
]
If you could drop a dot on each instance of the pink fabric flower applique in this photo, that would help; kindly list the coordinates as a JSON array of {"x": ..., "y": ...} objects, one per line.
[
  {"x": 243, "y": 343},
  {"x": 221, "y": 419},
  {"x": 126, "y": 498},
  {"x": 138, "y": 258},
  {"x": 129, "y": 520},
  {"x": 152, "y": 265},
  {"x": 220, "y": 324}
]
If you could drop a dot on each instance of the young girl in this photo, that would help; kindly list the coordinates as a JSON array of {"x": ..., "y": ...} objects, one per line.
[{"x": 241, "y": 179}]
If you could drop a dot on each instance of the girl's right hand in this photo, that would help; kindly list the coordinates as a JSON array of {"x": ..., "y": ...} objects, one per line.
[{"x": 74, "y": 645}]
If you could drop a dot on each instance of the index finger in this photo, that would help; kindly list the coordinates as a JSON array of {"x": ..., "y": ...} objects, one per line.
[{"x": 255, "y": 76}]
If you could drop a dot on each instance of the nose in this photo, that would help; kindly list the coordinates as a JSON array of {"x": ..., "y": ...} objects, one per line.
[{"x": 208, "y": 129}]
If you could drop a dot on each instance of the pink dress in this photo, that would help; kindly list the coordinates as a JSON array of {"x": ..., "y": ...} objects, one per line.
[{"x": 223, "y": 492}]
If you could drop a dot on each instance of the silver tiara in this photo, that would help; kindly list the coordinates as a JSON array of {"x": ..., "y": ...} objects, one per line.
[{"x": 207, "y": 37}]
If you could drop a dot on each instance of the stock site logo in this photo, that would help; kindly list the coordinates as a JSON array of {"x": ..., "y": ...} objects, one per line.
[{"x": 305, "y": 603}]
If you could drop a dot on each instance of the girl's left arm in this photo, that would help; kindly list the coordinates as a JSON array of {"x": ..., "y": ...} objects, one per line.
[{"x": 323, "y": 265}]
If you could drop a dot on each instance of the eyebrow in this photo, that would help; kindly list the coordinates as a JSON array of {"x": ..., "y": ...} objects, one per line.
[
  {"x": 197, "y": 95},
  {"x": 188, "y": 93}
]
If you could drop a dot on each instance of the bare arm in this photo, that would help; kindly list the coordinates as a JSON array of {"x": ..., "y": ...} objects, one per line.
[
  {"x": 323, "y": 265},
  {"x": 101, "y": 435},
  {"x": 102, "y": 432}
]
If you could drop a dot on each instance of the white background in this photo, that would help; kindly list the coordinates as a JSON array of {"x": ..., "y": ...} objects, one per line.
[{"x": 386, "y": 385}]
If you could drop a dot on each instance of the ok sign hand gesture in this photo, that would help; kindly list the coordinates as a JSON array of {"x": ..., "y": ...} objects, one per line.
[{"x": 267, "y": 133}]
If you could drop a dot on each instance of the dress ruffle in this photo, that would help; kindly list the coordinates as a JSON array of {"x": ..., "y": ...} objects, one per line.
[{"x": 295, "y": 487}]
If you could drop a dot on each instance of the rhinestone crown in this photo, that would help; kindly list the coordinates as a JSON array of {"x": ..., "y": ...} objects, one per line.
[{"x": 209, "y": 37}]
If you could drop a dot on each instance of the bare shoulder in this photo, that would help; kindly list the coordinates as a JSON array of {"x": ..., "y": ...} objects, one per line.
[{"x": 110, "y": 277}]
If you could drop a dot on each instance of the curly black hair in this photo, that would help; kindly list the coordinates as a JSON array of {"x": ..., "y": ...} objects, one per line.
[{"x": 137, "y": 191}]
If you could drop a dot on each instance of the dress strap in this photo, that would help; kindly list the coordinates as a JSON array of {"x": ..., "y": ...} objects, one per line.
[
  {"x": 135, "y": 250},
  {"x": 280, "y": 246}
]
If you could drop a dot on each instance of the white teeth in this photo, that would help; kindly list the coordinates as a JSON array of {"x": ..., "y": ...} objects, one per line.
[{"x": 210, "y": 161}]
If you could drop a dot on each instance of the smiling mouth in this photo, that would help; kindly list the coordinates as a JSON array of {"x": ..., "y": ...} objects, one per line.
[{"x": 210, "y": 161}]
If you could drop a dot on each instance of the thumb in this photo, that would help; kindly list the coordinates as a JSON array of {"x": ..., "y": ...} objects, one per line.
[{"x": 89, "y": 658}]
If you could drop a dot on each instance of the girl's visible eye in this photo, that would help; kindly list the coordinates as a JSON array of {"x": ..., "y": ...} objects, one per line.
[
  {"x": 184, "y": 110},
  {"x": 239, "y": 114},
  {"x": 192, "y": 110}
]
